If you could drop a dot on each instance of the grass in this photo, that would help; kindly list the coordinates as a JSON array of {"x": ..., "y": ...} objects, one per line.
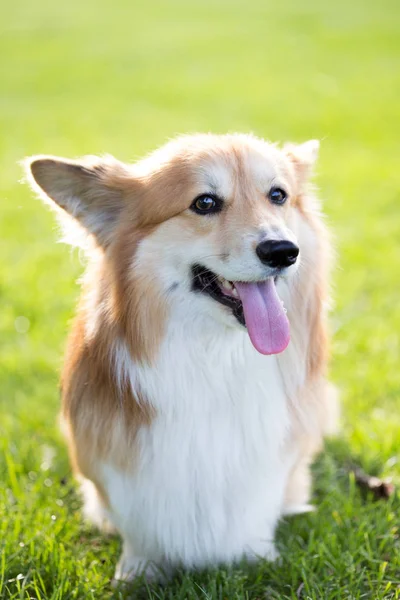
[{"x": 121, "y": 77}]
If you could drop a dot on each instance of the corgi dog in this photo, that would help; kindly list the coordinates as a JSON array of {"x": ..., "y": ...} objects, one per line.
[{"x": 194, "y": 391}]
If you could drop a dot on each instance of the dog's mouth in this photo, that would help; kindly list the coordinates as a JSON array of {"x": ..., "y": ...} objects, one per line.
[
  {"x": 220, "y": 289},
  {"x": 256, "y": 305}
]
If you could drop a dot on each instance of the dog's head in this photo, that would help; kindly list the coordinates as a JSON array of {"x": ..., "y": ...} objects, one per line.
[{"x": 207, "y": 223}]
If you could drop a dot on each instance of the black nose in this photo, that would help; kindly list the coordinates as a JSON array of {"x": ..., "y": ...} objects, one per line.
[{"x": 277, "y": 253}]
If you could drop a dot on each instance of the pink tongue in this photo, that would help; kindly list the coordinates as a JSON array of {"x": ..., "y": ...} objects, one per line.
[{"x": 265, "y": 317}]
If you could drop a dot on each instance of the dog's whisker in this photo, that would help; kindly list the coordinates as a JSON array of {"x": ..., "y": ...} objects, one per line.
[
  {"x": 220, "y": 255},
  {"x": 213, "y": 280}
]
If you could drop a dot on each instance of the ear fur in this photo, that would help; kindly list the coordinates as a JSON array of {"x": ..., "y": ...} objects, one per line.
[
  {"x": 92, "y": 191},
  {"x": 303, "y": 157}
]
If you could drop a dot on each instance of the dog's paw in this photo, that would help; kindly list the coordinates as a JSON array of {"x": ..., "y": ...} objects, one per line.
[
  {"x": 133, "y": 567},
  {"x": 262, "y": 549}
]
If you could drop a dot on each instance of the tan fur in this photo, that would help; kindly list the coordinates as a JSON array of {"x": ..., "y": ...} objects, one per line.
[{"x": 102, "y": 416}]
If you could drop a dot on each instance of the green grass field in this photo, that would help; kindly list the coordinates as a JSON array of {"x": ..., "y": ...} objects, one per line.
[{"x": 122, "y": 77}]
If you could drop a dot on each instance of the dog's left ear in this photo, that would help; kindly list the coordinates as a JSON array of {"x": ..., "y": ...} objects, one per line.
[{"x": 303, "y": 157}]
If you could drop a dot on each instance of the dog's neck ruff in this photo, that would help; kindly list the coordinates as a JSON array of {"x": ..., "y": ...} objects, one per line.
[{"x": 198, "y": 352}]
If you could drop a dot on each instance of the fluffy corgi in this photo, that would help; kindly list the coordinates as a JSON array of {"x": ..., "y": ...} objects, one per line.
[{"x": 194, "y": 392}]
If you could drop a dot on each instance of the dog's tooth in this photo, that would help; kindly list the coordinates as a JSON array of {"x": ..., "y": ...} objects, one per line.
[
  {"x": 227, "y": 284},
  {"x": 234, "y": 292}
]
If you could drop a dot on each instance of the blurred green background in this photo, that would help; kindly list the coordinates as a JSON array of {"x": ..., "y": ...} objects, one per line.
[{"x": 122, "y": 77}]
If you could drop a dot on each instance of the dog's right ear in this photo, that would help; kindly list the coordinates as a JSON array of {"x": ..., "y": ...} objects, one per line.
[
  {"x": 303, "y": 157},
  {"x": 92, "y": 191}
]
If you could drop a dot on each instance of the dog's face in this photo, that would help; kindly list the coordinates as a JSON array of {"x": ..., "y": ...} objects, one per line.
[{"x": 210, "y": 222}]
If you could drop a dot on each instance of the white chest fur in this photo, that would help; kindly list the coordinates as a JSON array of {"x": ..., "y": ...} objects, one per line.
[{"x": 209, "y": 479}]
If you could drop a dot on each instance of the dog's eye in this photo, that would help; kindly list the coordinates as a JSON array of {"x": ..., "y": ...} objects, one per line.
[
  {"x": 206, "y": 204},
  {"x": 277, "y": 195}
]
